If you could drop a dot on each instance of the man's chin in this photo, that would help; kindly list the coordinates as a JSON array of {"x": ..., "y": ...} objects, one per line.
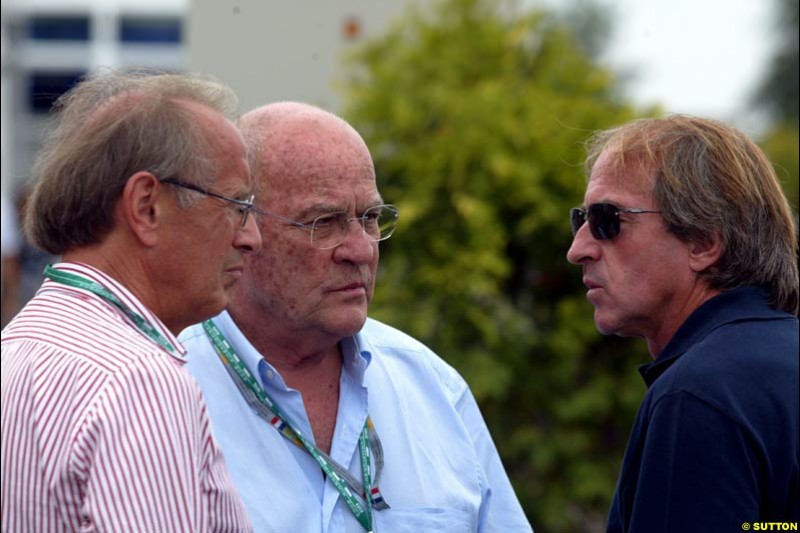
[
  {"x": 203, "y": 310},
  {"x": 347, "y": 325},
  {"x": 231, "y": 278},
  {"x": 607, "y": 326},
  {"x": 604, "y": 324}
]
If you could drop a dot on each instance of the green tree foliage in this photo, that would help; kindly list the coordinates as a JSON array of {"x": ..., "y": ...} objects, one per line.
[
  {"x": 779, "y": 91},
  {"x": 781, "y": 146},
  {"x": 779, "y": 95},
  {"x": 475, "y": 115},
  {"x": 590, "y": 23}
]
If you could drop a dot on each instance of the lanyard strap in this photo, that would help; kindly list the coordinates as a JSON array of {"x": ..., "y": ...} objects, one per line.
[
  {"x": 266, "y": 407},
  {"x": 74, "y": 280}
]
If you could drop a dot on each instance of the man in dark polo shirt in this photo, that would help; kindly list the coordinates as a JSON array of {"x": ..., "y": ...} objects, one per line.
[{"x": 686, "y": 240}]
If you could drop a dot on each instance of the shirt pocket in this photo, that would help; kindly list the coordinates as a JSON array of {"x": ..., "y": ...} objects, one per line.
[{"x": 423, "y": 520}]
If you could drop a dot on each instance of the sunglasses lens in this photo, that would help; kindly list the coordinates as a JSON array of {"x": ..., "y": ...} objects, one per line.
[
  {"x": 603, "y": 221},
  {"x": 577, "y": 217}
]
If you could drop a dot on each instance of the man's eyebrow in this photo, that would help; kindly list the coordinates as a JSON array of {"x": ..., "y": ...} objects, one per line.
[
  {"x": 325, "y": 208},
  {"x": 376, "y": 201},
  {"x": 319, "y": 209},
  {"x": 241, "y": 193}
]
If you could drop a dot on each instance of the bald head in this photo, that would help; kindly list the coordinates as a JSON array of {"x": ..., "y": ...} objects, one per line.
[
  {"x": 291, "y": 139},
  {"x": 308, "y": 166}
]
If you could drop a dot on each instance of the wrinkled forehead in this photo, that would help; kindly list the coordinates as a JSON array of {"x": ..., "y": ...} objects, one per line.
[
  {"x": 623, "y": 171},
  {"x": 343, "y": 185},
  {"x": 314, "y": 154}
]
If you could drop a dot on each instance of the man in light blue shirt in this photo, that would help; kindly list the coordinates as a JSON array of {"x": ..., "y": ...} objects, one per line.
[{"x": 330, "y": 421}]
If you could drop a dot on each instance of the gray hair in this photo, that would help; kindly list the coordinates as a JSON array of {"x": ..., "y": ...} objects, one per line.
[
  {"x": 709, "y": 178},
  {"x": 110, "y": 126}
]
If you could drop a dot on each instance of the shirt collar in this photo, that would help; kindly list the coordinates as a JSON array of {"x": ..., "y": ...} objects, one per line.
[
  {"x": 240, "y": 345},
  {"x": 125, "y": 296},
  {"x": 728, "y": 306},
  {"x": 356, "y": 356}
]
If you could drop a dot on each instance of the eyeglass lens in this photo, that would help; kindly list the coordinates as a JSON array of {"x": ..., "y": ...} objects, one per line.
[
  {"x": 378, "y": 223},
  {"x": 603, "y": 220},
  {"x": 245, "y": 209}
]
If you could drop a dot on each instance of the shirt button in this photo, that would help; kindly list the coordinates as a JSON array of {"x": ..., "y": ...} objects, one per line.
[{"x": 270, "y": 374}]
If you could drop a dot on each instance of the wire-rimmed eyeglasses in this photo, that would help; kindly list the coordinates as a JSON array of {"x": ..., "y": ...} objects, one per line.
[
  {"x": 243, "y": 206},
  {"x": 330, "y": 230}
]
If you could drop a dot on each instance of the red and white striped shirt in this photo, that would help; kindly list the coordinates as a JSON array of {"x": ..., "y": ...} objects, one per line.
[{"x": 102, "y": 429}]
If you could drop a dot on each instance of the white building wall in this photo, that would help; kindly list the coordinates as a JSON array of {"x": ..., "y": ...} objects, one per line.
[
  {"x": 273, "y": 50},
  {"x": 22, "y": 56},
  {"x": 267, "y": 50}
]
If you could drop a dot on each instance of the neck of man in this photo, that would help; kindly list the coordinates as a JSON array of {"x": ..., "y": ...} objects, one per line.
[
  {"x": 683, "y": 307},
  {"x": 130, "y": 272},
  {"x": 289, "y": 351},
  {"x": 309, "y": 362}
]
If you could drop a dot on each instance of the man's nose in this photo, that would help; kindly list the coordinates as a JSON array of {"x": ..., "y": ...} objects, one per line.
[
  {"x": 583, "y": 247},
  {"x": 248, "y": 237}
]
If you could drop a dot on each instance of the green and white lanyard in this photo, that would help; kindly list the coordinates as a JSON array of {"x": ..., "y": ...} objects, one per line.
[
  {"x": 368, "y": 441},
  {"x": 74, "y": 280}
]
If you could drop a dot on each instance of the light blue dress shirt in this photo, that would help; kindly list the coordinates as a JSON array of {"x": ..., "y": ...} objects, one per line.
[{"x": 442, "y": 472}]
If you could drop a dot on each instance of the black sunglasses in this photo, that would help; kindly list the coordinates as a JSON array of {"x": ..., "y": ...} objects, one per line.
[{"x": 603, "y": 219}]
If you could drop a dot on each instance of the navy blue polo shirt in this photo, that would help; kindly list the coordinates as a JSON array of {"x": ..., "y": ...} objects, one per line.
[{"x": 715, "y": 442}]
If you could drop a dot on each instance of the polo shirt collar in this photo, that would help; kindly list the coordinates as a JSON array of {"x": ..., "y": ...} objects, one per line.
[{"x": 728, "y": 306}]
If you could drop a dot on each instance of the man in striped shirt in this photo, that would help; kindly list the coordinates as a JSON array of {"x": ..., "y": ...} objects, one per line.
[{"x": 144, "y": 189}]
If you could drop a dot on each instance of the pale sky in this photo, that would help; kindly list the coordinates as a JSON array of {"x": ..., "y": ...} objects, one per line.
[{"x": 701, "y": 57}]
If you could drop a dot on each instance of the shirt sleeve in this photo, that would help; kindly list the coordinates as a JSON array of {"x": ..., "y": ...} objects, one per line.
[
  {"x": 501, "y": 510},
  {"x": 146, "y": 460},
  {"x": 698, "y": 472}
]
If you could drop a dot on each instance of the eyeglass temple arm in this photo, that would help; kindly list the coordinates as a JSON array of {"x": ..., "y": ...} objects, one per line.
[{"x": 261, "y": 211}]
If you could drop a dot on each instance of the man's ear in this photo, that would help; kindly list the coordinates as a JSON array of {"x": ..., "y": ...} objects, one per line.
[
  {"x": 705, "y": 253},
  {"x": 140, "y": 206}
]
